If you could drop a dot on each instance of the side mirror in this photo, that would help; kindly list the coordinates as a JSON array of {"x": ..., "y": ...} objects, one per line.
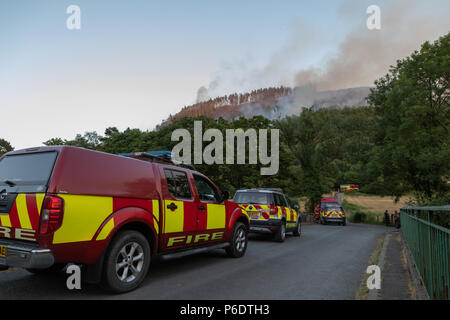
[
  {"x": 225, "y": 195},
  {"x": 296, "y": 207}
]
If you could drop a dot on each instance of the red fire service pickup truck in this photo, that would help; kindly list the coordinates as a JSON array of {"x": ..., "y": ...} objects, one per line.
[{"x": 109, "y": 213}]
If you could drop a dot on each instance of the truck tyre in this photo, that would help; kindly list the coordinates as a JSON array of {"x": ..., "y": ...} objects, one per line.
[
  {"x": 280, "y": 235},
  {"x": 344, "y": 223},
  {"x": 55, "y": 268},
  {"x": 239, "y": 240},
  {"x": 298, "y": 229},
  {"x": 126, "y": 262}
]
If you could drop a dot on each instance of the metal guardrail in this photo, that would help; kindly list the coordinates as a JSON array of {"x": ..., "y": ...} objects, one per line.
[{"x": 429, "y": 245}]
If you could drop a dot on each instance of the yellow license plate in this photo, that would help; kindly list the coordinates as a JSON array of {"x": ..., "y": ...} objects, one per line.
[
  {"x": 3, "y": 251},
  {"x": 253, "y": 214}
]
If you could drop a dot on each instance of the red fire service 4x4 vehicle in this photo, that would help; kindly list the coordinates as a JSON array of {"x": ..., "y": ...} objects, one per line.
[{"x": 109, "y": 213}]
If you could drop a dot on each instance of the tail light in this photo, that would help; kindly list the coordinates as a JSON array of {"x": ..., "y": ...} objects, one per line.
[
  {"x": 51, "y": 214},
  {"x": 273, "y": 210}
]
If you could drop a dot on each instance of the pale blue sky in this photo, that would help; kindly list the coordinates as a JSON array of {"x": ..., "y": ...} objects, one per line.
[{"x": 135, "y": 62}]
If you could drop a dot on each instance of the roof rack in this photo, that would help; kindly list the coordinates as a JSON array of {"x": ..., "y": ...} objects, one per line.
[
  {"x": 157, "y": 156},
  {"x": 273, "y": 189}
]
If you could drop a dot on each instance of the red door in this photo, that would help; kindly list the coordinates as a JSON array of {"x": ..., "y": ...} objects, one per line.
[
  {"x": 179, "y": 209},
  {"x": 211, "y": 210}
]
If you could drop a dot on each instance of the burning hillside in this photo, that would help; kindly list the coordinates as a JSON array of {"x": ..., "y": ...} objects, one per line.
[{"x": 273, "y": 103}]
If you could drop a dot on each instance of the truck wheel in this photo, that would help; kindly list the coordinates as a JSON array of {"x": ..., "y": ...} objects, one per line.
[
  {"x": 298, "y": 229},
  {"x": 55, "y": 268},
  {"x": 239, "y": 239},
  {"x": 127, "y": 262},
  {"x": 344, "y": 223},
  {"x": 280, "y": 235}
]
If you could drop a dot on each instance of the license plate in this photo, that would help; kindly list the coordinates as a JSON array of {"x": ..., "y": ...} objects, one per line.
[
  {"x": 3, "y": 251},
  {"x": 254, "y": 215}
]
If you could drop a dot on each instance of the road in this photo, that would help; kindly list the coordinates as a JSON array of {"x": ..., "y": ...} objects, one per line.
[{"x": 326, "y": 262}]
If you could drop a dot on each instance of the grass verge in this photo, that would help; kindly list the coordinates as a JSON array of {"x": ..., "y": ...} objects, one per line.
[{"x": 360, "y": 214}]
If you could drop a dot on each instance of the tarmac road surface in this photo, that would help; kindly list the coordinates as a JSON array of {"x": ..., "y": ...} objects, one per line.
[{"x": 326, "y": 262}]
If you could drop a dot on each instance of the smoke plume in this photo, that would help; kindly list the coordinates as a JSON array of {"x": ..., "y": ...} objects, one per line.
[
  {"x": 362, "y": 57},
  {"x": 366, "y": 55}
]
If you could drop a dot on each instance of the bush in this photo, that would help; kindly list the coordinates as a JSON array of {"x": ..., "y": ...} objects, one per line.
[{"x": 358, "y": 217}]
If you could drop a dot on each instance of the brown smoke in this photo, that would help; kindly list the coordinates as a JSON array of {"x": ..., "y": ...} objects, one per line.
[
  {"x": 366, "y": 55},
  {"x": 363, "y": 56}
]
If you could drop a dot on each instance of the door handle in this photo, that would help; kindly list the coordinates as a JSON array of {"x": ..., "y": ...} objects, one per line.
[
  {"x": 172, "y": 206},
  {"x": 202, "y": 208}
]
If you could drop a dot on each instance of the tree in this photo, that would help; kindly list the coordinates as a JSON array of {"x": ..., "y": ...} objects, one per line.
[
  {"x": 90, "y": 140},
  {"x": 55, "y": 142},
  {"x": 413, "y": 138},
  {"x": 5, "y": 147}
]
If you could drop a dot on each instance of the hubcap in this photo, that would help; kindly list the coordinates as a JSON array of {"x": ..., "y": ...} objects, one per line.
[
  {"x": 240, "y": 240},
  {"x": 129, "y": 262}
]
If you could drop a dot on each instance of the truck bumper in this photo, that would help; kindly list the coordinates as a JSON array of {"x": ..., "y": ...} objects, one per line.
[
  {"x": 25, "y": 255},
  {"x": 264, "y": 226},
  {"x": 328, "y": 219}
]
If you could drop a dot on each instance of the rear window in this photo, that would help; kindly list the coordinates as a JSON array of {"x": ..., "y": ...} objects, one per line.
[
  {"x": 26, "y": 172},
  {"x": 253, "y": 198},
  {"x": 330, "y": 205}
]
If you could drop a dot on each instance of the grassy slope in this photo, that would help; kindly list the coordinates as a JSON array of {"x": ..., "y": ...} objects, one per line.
[{"x": 371, "y": 206}]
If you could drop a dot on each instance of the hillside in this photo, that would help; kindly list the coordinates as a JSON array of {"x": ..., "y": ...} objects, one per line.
[{"x": 273, "y": 103}]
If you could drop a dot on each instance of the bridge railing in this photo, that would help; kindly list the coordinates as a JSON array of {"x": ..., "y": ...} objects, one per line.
[{"x": 429, "y": 245}]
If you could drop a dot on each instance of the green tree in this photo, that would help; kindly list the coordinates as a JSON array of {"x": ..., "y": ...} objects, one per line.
[
  {"x": 55, "y": 142},
  {"x": 412, "y": 138},
  {"x": 5, "y": 147},
  {"x": 90, "y": 140}
]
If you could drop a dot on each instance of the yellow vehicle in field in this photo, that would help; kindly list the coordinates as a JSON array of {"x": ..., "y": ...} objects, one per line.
[{"x": 348, "y": 187}]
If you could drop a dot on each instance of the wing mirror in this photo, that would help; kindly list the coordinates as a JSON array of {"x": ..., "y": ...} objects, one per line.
[{"x": 296, "y": 207}]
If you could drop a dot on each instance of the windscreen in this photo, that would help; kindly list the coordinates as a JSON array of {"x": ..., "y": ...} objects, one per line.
[
  {"x": 253, "y": 198},
  {"x": 26, "y": 172}
]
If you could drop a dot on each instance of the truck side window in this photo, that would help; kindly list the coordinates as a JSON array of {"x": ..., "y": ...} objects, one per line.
[
  {"x": 276, "y": 197},
  {"x": 279, "y": 200},
  {"x": 206, "y": 191},
  {"x": 178, "y": 184},
  {"x": 271, "y": 199},
  {"x": 287, "y": 204}
]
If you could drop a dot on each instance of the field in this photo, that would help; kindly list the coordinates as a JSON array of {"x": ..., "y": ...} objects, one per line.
[{"x": 370, "y": 208}]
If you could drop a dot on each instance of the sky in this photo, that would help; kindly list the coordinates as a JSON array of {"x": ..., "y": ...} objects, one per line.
[{"x": 133, "y": 63}]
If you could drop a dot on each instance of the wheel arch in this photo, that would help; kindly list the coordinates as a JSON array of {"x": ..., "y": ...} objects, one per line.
[
  {"x": 141, "y": 227},
  {"x": 238, "y": 215}
]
